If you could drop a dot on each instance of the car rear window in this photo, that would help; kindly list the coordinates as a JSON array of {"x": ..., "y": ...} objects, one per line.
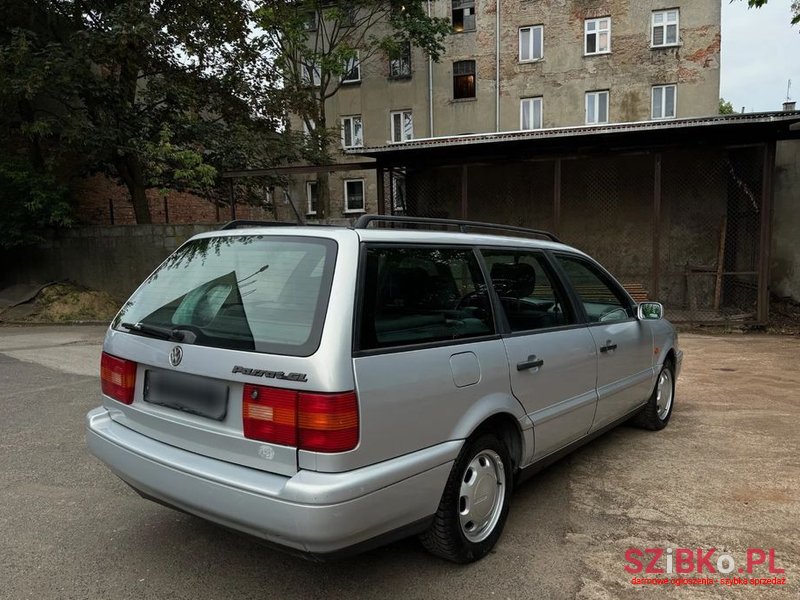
[{"x": 250, "y": 292}]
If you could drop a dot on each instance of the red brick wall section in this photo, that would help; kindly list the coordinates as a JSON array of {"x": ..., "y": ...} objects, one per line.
[{"x": 96, "y": 195}]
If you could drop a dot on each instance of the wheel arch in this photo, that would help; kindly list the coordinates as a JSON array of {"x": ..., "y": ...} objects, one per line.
[{"x": 504, "y": 416}]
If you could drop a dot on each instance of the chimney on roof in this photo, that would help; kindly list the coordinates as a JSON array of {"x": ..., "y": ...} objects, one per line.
[{"x": 789, "y": 105}]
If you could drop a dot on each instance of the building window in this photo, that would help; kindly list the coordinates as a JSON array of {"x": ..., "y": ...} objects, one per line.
[
  {"x": 311, "y": 197},
  {"x": 665, "y": 97},
  {"x": 464, "y": 79},
  {"x": 347, "y": 16},
  {"x": 598, "y": 36},
  {"x": 308, "y": 126},
  {"x": 665, "y": 28},
  {"x": 530, "y": 113},
  {"x": 531, "y": 44},
  {"x": 353, "y": 195},
  {"x": 310, "y": 74},
  {"x": 463, "y": 15},
  {"x": 352, "y": 70},
  {"x": 597, "y": 107},
  {"x": 352, "y": 132},
  {"x": 310, "y": 21},
  {"x": 400, "y": 65},
  {"x": 402, "y": 125}
]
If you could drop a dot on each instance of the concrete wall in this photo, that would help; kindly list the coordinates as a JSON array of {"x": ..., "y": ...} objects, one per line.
[
  {"x": 785, "y": 268},
  {"x": 112, "y": 259}
]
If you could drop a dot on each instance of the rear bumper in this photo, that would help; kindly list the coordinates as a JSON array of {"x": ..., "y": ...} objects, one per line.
[{"x": 318, "y": 513}]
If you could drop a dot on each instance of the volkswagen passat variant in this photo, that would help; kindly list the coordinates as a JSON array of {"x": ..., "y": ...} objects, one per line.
[{"x": 328, "y": 389}]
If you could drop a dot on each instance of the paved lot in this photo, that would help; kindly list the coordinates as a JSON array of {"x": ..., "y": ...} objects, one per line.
[{"x": 724, "y": 474}]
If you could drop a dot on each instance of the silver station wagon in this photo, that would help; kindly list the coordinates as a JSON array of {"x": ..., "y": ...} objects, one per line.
[{"x": 329, "y": 389}]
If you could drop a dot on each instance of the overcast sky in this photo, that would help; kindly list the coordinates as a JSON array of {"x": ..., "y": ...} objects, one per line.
[{"x": 760, "y": 52}]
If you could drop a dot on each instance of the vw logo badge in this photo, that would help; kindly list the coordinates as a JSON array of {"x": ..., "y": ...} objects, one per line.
[{"x": 176, "y": 356}]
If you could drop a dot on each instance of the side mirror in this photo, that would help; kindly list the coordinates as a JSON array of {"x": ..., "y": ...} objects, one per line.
[{"x": 650, "y": 311}]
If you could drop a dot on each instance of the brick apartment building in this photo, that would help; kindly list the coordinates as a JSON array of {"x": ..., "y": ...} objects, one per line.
[{"x": 514, "y": 65}]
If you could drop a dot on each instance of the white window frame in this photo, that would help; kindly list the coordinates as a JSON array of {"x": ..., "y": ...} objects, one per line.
[
  {"x": 597, "y": 31},
  {"x": 528, "y": 33},
  {"x": 363, "y": 208},
  {"x": 309, "y": 206},
  {"x": 662, "y": 89},
  {"x": 536, "y": 103},
  {"x": 306, "y": 129},
  {"x": 664, "y": 24},
  {"x": 348, "y": 123},
  {"x": 594, "y": 97},
  {"x": 401, "y": 135},
  {"x": 353, "y": 64}
]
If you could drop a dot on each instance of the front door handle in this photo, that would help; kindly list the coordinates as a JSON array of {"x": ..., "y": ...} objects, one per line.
[
  {"x": 608, "y": 347},
  {"x": 531, "y": 363}
]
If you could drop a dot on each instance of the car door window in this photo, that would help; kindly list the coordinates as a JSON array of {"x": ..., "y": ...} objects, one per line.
[
  {"x": 422, "y": 295},
  {"x": 602, "y": 299},
  {"x": 524, "y": 284}
]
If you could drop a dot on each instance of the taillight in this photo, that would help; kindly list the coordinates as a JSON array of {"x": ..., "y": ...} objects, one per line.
[
  {"x": 270, "y": 414},
  {"x": 310, "y": 421},
  {"x": 117, "y": 378}
]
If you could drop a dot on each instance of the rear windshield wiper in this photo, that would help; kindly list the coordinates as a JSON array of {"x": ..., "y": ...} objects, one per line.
[{"x": 164, "y": 333}]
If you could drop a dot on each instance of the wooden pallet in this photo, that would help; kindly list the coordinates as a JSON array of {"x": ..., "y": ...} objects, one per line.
[{"x": 597, "y": 293}]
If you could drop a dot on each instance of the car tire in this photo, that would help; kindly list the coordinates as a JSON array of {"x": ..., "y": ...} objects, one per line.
[
  {"x": 656, "y": 413},
  {"x": 463, "y": 531}
]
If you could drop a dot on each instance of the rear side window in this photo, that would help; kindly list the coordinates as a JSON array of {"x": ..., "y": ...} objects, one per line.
[
  {"x": 414, "y": 295},
  {"x": 525, "y": 287},
  {"x": 250, "y": 292}
]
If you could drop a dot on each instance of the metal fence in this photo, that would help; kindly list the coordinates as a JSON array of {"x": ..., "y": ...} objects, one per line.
[{"x": 685, "y": 227}]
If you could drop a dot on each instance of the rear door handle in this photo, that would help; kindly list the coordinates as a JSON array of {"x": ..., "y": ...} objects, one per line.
[
  {"x": 531, "y": 363},
  {"x": 608, "y": 347}
]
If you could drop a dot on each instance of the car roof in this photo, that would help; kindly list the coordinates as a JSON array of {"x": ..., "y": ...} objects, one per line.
[{"x": 396, "y": 235}]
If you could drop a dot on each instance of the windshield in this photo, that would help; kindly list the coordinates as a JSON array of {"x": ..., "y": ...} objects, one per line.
[{"x": 248, "y": 292}]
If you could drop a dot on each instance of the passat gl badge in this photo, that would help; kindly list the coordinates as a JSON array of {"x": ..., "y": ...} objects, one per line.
[{"x": 176, "y": 356}]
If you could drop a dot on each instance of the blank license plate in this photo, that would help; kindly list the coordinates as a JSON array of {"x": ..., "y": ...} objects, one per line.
[{"x": 187, "y": 393}]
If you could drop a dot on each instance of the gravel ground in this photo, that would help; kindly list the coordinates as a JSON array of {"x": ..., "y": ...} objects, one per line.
[{"x": 725, "y": 474}]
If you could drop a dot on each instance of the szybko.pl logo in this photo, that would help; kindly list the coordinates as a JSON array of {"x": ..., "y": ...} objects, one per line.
[{"x": 698, "y": 566}]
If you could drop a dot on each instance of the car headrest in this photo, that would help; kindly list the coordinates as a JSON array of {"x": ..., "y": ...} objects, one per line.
[{"x": 515, "y": 280}]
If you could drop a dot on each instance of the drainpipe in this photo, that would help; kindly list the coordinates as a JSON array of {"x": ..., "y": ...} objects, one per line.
[
  {"x": 497, "y": 67},
  {"x": 430, "y": 86}
]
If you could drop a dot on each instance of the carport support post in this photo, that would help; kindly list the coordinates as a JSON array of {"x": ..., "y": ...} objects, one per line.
[
  {"x": 464, "y": 187},
  {"x": 557, "y": 197},
  {"x": 381, "y": 193},
  {"x": 765, "y": 239},
  {"x": 654, "y": 283}
]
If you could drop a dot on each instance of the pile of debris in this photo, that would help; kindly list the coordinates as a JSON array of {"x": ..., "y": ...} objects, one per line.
[
  {"x": 784, "y": 316},
  {"x": 56, "y": 302}
]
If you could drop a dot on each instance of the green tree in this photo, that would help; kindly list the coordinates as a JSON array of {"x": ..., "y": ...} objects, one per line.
[
  {"x": 30, "y": 201},
  {"x": 725, "y": 107},
  {"x": 160, "y": 93},
  {"x": 795, "y": 8},
  {"x": 316, "y": 44}
]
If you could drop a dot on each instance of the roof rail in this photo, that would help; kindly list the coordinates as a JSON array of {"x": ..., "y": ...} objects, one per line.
[
  {"x": 463, "y": 226},
  {"x": 237, "y": 223}
]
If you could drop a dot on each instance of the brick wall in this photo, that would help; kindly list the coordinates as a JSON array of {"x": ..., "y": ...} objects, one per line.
[{"x": 102, "y": 201}]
